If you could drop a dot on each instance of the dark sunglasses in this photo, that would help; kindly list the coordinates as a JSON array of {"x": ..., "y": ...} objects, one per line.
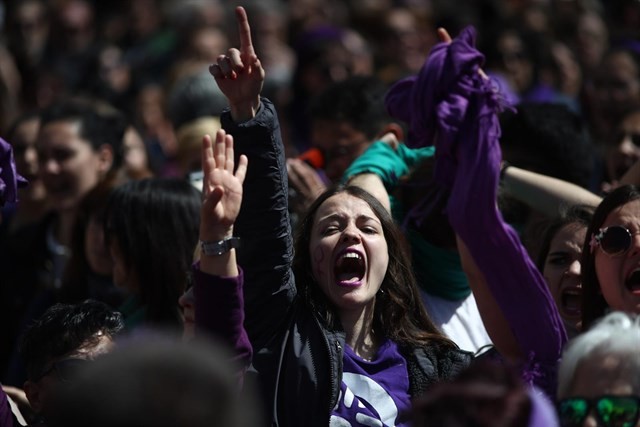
[
  {"x": 614, "y": 240},
  {"x": 611, "y": 411},
  {"x": 65, "y": 369}
]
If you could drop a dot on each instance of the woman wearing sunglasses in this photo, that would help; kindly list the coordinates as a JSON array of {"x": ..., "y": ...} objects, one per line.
[
  {"x": 599, "y": 376},
  {"x": 611, "y": 256}
]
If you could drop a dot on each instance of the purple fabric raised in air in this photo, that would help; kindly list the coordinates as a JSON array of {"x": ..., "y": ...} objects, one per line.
[
  {"x": 450, "y": 105},
  {"x": 10, "y": 181}
]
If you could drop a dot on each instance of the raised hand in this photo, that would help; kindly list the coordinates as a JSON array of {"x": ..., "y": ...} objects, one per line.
[
  {"x": 444, "y": 37},
  {"x": 221, "y": 187},
  {"x": 239, "y": 73}
]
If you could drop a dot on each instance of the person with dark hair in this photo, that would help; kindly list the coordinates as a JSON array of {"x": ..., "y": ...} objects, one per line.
[
  {"x": 559, "y": 262},
  {"x": 78, "y": 147},
  {"x": 341, "y": 321},
  {"x": 151, "y": 229},
  {"x": 60, "y": 343},
  {"x": 346, "y": 118},
  {"x": 610, "y": 278},
  {"x": 548, "y": 139}
]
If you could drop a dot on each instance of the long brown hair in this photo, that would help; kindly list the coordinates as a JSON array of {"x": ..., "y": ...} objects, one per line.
[{"x": 399, "y": 313}]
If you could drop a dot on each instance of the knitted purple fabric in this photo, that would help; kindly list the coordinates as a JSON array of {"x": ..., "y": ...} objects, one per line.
[
  {"x": 10, "y": 181},
  {"x": 450, "y": 105}
]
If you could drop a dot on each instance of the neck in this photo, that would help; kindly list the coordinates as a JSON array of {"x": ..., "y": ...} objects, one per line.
[
  {"x": 63, "y": 230},
  {"x": 360, "y": 336}
]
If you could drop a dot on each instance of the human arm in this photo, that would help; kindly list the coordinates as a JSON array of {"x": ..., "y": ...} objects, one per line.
[
  {"x": 469, "y": 134},
  {"x": 544, "y": 193},
  {"x": 263, "y": 224},
  {"x": 453, "y": 106}
]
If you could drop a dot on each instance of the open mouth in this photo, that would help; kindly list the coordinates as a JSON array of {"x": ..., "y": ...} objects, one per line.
[
  {"x": 633, "y": 282},
  {"x": 571, "y": 301},
  {"x": 349, "y": 268}
]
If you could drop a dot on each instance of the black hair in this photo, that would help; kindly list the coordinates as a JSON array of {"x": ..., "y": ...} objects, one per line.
[
  {"x": 399, "y": 313},
  {"x": 576, "y": 214},
  {"x": 64, "y": 328},
  {"x": 155, "y": 224},
  {"x": 98, "y": 128},
  {"x": 358, "y": 100},
  {"x": 549, "y": 139},
  {"x": 593, "y": 303}
]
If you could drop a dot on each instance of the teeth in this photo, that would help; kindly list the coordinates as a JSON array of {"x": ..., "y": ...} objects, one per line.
[{"x": 349, "y": 255}]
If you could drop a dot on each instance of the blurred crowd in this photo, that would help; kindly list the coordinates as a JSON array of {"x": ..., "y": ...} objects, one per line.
[{"x": 104, "y": 106}]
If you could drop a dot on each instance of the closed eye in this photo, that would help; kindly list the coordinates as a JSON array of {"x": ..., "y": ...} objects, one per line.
[
  {"x": 559, "y": 260},
  {"x": 329, "y": 230},
  {"x": 370, "y": 230}
]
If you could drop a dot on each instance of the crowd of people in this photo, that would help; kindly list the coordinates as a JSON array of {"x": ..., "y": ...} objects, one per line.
[{"x": 343, "y": 213}]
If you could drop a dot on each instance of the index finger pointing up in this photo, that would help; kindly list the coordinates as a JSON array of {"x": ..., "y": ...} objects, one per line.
[{"x": 246, "y": 47}]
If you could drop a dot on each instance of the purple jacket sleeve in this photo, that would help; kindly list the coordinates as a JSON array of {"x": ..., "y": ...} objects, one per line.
[
  {"x": 219, "y": 312},
  {"x": 6, "y": 415},
  {"x": 462, "y": 116}
]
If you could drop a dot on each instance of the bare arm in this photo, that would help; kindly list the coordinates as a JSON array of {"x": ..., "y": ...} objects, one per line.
[{"x": 544, "y": 193}]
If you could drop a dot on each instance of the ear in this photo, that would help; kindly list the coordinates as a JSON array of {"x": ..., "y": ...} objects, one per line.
[
  {"x": 393, "y": 128},
  {"x": 34, "y": 395},
  {"x": 105, "y": 158}
]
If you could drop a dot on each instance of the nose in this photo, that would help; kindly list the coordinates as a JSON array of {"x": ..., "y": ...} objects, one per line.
[
  {"x": 574, "y": 268},
  {"x": 50, "y": 166},
  {"x": 627, "y": 148},
  {"x": 590, "y": 421},
  {"x": 31, "y": 157},
  {"x": 351, "y": 233}
]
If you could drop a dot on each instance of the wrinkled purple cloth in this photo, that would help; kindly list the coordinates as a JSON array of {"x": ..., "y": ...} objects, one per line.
[
  {"x": 10, "y": 181},
  {"x": 451, "y": 106}
]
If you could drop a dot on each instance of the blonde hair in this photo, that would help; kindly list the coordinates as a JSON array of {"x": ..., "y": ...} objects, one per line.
[{"x": 189, "y": 137}]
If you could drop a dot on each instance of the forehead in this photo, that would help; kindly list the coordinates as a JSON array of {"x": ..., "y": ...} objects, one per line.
[
  {"x": 570, "y": 234},
  {"x": 61, "y": 132},
  {"x": 344, "y": 204},
  {"x": 627, "y": 214}
]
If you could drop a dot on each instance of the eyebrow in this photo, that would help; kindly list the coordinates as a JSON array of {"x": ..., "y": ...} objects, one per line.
[{"x": 338, "y": 216}]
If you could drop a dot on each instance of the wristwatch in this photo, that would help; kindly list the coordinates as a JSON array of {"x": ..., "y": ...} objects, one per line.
[{"x": 220, "y": 247}]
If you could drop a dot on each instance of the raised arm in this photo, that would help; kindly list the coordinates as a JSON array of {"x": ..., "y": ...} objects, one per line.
[
  {"x": 263, "y": 226},
  {"x": 544, "y": 193},
  {"x": 219, "y": 305},
  {"x": 453, "y": 106}
]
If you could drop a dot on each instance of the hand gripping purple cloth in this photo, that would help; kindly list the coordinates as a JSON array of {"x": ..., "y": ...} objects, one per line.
[
  {"x": 10, "y": 181},
  {"x": 450, "y": 105}
]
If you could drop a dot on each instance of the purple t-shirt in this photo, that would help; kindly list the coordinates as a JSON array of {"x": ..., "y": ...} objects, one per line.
[{"x": 373, "y": 393}]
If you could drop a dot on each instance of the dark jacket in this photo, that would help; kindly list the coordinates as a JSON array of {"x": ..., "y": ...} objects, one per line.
[{"x": 298, "y": 358}]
